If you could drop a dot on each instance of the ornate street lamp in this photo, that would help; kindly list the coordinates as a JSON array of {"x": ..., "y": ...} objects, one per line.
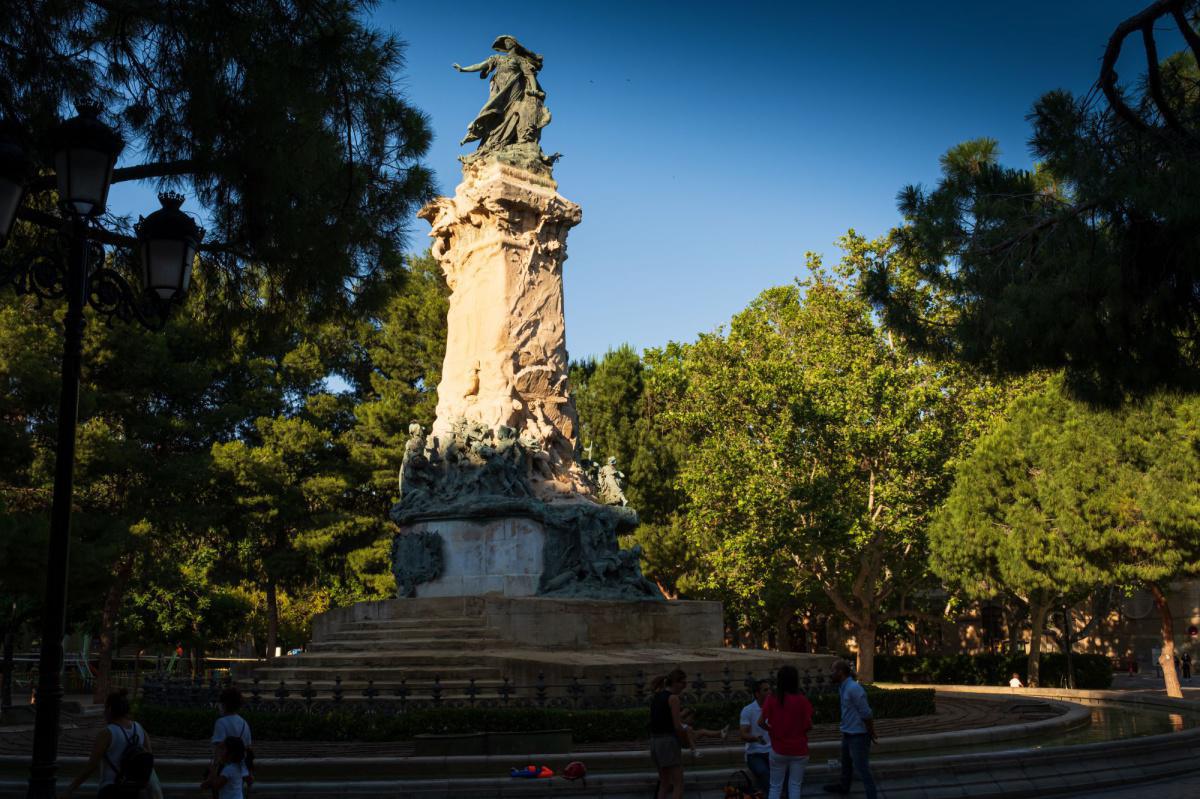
[
  {"x": 167, "y": 243},
  {"x": 84, "y": 153}
]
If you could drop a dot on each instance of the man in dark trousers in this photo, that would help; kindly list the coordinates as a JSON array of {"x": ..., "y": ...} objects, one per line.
[{"x": 858, "y": 731}]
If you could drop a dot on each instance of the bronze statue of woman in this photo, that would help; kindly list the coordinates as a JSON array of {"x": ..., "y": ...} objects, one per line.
[{"x": 515, "y": 111}]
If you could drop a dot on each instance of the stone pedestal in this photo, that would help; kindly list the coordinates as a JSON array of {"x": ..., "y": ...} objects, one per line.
[
  {"x": 501, "y": 557},
  {"x": 492, "y": 501}
]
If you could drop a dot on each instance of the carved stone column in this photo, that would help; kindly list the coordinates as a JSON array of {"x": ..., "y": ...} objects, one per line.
[
  {"x": 501, "y": 241},
  {"x": 492, "y": 500}
]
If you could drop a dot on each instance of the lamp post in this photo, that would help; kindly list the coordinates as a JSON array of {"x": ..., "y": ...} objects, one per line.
[{"x": 84, "y": 152}]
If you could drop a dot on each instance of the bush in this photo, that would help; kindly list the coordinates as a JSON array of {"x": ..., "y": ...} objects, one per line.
[
  {"x": 586, "y": 726},
  {"x": 1091, "y": 671}
]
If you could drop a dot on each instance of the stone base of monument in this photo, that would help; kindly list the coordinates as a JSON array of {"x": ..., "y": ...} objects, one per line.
[
  {"x": 556, "y": 646},
  {"x": 490, "y": 556}
]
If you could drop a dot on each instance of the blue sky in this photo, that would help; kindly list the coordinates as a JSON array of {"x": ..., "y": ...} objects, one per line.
[{"x": 712, "y": 144}]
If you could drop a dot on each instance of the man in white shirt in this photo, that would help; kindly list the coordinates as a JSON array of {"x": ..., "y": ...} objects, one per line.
[{"x": 757, "y": 740}]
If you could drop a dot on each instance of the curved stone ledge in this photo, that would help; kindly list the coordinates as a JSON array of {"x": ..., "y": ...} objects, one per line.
[{"x": 995, "y": 774}]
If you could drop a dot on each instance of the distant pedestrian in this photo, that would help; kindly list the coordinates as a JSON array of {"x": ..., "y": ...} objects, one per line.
[
  {"x": 230, "y": 726},
  {"x": 1015, "y": 682},
  {"x": 121, "y": 752},
  {"x": 757, "y": 739},
  {"x": 667, "y": 733},
  {"x": 226, "y": 779},
  {"x": 1187, "y": 665},
  {"x": 858, "y": 732},
  {"x": 787, "y": 716}
]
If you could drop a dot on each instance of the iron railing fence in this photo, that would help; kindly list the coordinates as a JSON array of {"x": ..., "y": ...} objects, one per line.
[{"x": 398, "y": 697}]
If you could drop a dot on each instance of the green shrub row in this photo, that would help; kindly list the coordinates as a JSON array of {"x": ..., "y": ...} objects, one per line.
[
  {"x": 587, "y": 726},
  {"x": 1091, "y": 671}
]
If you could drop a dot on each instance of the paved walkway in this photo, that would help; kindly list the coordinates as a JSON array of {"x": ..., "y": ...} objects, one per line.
[{"x": 1184, "y": 788}]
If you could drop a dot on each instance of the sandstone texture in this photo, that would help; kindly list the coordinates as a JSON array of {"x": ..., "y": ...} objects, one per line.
[{"x": 501, "y": 242}]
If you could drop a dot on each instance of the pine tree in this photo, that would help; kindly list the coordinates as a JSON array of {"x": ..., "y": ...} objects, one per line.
[
  {"x": 283, "y": 120},
  {"x": 1090, "y": 262}
]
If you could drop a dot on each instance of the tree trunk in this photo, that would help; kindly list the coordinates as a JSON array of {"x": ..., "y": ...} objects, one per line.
[
  {"x": 272, "y": 619},
  {"x": 1037, "y": 625},
  {"x": 783, "y": 628},
  {"x": 1013, "y": 616},
  {"x": 108, "y": 626},
  {"x": 1067, "y": 646},
  {"x": 865, "y": 636},
  {"x": 201, "y": 654},
  {"x": 1167, "y": 658},
  {"x": 6, "y": 667}
]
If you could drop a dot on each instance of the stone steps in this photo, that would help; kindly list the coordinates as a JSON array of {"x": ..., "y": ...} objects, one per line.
[
  {"x": 413, "y": 624},
  {"x": 404, "y": 633},
  {"x": 357, "y": 683},
  {"x": 369, "y": 645},
  {"x": 381, "y": 674}
]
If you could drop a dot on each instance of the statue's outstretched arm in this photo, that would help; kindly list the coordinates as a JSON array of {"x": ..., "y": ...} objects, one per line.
[{"x": 480, "y": 67}]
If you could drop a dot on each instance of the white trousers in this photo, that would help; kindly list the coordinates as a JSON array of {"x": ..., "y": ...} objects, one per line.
[{"x": 791, "y": 768}]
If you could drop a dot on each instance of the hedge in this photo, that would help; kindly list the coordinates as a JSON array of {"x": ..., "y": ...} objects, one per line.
[
  {"x": 1091, "y": 671},
  {"x": 587, "y": 726}
]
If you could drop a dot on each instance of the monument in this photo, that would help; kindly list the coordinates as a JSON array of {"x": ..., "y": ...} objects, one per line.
[
  {"x": 506, "y": 558},
  {"x": 493, "y": 500}
]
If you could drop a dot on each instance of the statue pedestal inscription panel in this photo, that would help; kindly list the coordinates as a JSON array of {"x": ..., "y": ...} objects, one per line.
[{"x": 489, "y": 556}]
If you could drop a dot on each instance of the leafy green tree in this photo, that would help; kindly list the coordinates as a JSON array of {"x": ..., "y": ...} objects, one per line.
[
  {"x": 1088, "y": 263},
  {"x": 1062, "y": 499},
  {"x": 283, "y": 119},
  {"x": 620, "y": 413},
  {"x": 285, "y": 478},
  {"x": 999, "y": 532},
  {"x": 148, "y": 412},
  {"x": 393, "y": 365},
  {"x": 608, "y": 397},
  {"x": 819, "y": 436}
]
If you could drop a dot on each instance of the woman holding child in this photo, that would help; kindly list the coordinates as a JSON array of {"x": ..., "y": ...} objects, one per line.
[{"x": 671, "y": 729}]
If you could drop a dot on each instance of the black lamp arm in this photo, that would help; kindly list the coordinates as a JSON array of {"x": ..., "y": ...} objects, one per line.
[{"x": 111, "y": 296}]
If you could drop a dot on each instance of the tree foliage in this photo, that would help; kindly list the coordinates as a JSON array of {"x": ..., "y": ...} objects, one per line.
[
  {"x": 1062, "y": 499},
  {"x": 1089, "y": 263},
  {"x": 621, "y": 416},
  {"x": 822, "y": 444},
  {"x": 284, "y": 119}
]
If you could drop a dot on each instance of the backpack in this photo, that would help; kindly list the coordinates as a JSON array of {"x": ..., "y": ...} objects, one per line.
[
  {"x": 575, "y": 770},
  {"x": 132, "y": 770},
  {"x": 248, "y": 759},
  {"x": 744, "y": 790}
]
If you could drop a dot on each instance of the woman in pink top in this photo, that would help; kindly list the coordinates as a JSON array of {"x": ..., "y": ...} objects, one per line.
[{"x": 787, "y": 715}]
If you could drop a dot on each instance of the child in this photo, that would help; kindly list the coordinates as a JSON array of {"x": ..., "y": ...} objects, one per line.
[
  {"x": 1015, "y": 682},
  {"x": 227, "y": 781},
  {"x": 232, "y": 725},
  {"x": 694, "y": 733}
]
